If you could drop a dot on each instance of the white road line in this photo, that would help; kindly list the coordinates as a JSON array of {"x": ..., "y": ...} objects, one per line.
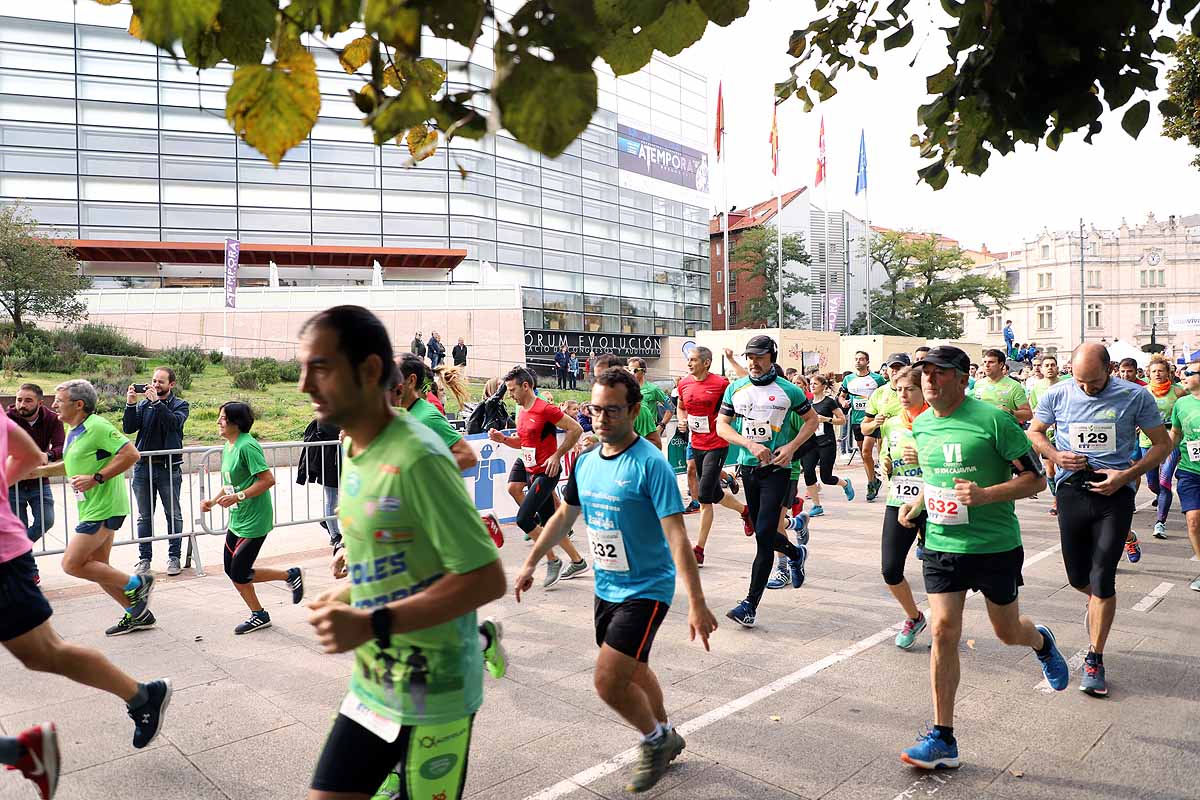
[
  {"x": 625, "y": 757},
  {"x": 1073, "y": 663},
  {"x": 1154, "y": 598},
  {"x": 920, "y": 787}
]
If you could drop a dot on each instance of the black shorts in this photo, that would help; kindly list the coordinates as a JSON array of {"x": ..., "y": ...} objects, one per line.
[
  {"x": 856, "y": 432},
  {"x": 430, "y": 759},
  {"x": 792, "y": 493},
  {"x": 517, "y": 474},
  {"x": 996, "y": 575},
  {"x": 629, "y": 627},
  {"x": 240, "y": 555},
  {"x": 708, "y": 473},
  {"x": 22, "y": 605}
]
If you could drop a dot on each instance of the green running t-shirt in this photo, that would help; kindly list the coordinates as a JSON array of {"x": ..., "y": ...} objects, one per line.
[
  {"x": 860, "y": 388},
  {"x": 977, "y": 442},
  {"x": 1166, "y": 405},
  {"x": 905, "y": 482},
  {"x": 1005, "y": 394},
  {"x": 1185, "y": 417},
  {"x": 763, "y": 415},
  {"x": 647, "y": 418},
  {"x": 407, "y": 521},
  {"x": 884, "y": 400},
  {"x": 90, "y": 446},
  {"x": 241, "y": 461},
  {"x": 427, "y": 414}
]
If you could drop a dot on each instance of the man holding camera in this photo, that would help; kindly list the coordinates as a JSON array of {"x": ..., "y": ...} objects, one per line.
[{"x": 158, "y": 420}]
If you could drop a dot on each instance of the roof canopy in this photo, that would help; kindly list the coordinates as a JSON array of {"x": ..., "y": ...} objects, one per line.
[{"x": 284, "y": 255}]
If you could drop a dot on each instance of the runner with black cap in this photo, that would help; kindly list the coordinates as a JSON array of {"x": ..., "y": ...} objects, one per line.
[
  {"x": 755, "y": 417},
  {"x": 1097, "y": 419},
  {"x": 975, "y": 461},
  {"x": 883, "y": 404}
]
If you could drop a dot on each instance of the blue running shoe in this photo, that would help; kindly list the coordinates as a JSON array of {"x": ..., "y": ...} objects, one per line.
[
  {"x": 799, "y": 524},
  {"x": 1093, "y": 682},
  {"x": 848, "y": 489},
  {"x": 931, "y": 752},
  {"x": 693, "y": 508},
  {"x": 1054, "y": 666},
  {"x": 817, "y": 511},
  {"x": 1133, "y": 548},
  {"x": 919, "y": 553},
  {"x": 797, "y": 567},
  {"x": 742, "y": 614},
  {"x": 781, "y": 576}
]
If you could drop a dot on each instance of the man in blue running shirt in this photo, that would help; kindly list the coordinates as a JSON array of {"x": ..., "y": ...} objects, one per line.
[{"x": 630, "y": 502}]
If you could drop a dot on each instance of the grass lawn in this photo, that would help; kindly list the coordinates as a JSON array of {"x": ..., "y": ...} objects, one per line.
[{"x": 281, "y": 411}]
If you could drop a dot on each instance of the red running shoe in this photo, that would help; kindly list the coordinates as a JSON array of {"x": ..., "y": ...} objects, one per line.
[
  {"x": 699, "y": 551},
  {"x": 40, "y": 762},
  {"x": 493, "y": 528},
  {"x": 747, "y": 525}
]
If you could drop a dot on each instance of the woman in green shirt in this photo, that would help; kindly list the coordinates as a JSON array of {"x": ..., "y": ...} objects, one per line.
[{"x": 246, "y": 484}]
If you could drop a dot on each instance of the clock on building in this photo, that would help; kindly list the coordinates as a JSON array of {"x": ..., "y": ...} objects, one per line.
[{"x": 1154, "y": 258}]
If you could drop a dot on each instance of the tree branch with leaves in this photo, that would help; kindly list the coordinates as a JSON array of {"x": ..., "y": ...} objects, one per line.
[
  {"x": 37, "y": 277},
  {"x": 755, "y": 259}
]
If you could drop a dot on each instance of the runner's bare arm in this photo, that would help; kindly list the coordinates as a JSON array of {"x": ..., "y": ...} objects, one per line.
[
  {"x": 554, "y": 532},
  {"x": 838, "y": 417},
  {"x": 499, "y": 437},
  {"x": 737, "y": 368},
  {"x": 1027, "y": 481},
  {"x": 574, "y": 431},
  {"x": 725, "y": 431},
  {"x": 1160, "y": 448},
  {"x": 464, "y": 456},
  {"x": 1023, "y": 413},
  {"x": 784, "y": 457},
  {"x": 1037, "y": 437},
  {"x": 701, "y": 621}
]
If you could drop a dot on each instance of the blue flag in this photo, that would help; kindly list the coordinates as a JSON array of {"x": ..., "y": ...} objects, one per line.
[{"x": 860, "y": 184}]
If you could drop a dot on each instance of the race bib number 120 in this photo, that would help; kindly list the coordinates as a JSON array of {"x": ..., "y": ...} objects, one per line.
[
  {"x": 943, "y": 506},
  {"x": 905, "y": 488}
]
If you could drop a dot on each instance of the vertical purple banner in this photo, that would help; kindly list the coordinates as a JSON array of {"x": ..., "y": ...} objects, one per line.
[
  {"x": 835, "y": 306},
  {"x": 233, "y": 249}
]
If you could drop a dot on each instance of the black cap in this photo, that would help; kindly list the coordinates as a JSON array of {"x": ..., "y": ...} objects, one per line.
[
  {"x": 947, "y": 357},
  {"x": 760, "y": 345},
  {"x": 898, "y": 358}
]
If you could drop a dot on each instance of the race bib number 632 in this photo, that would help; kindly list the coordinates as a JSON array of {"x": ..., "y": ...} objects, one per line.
[{"x": 943, "y": 506}]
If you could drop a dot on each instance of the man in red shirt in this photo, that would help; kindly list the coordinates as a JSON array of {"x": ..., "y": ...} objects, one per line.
[
  {"x": 700, "y": 394},
  {"x": 541, "y": 456},
  {"x": 1127, "y": 370}
]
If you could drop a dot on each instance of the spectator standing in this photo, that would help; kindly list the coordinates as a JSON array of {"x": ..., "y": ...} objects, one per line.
[
  {"x": 322, "y": 465},
  {"x": 459, "y": 353},
  {"x": 437, "y": 350},
  {"x": 417, "y": 345},
  {"x": 561, "y": 360},
  {"x": 572, "y": 369},
  {"x": 46, "y": 430},
  {"x": 158, "y": 421},
  {"x": 1009, "y": 336},
  {"x": 587, "y": 365}
]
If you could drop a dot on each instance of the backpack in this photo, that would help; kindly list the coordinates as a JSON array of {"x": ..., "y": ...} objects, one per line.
[{"x": 490, "y": 413}]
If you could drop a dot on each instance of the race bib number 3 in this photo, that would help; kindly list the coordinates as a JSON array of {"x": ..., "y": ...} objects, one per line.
[
  {"x": 757, "y": 430},
  {"x": 608, "y": 550},
  {"x": 943, "y": 507},
  {"x": 1093, "y": 437},
  {"x": 529, "y": 456},
  {"x": 698, "y": 424},
  {"x": 905, "y": 488},
  {"x": 1193, "y": 451}
]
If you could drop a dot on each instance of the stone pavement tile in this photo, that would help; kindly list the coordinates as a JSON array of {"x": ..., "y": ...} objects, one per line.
[
  {"x": 888, "y": 778},
  {"x": 1054, "y": 777},
  {"x": 685, "y": 771},
  {"x": 491, "y": 764},
  {"x": 571, "y": 750},
  {"x": 513, "y": 715},
  {"x": 166, "y": 658},
  {"x": 538, "y": 663},
  {"x": 22, "y": 690},
  {"x": 1069, "y": 721},
  {"x": 890, "y": 725},
  {"x": 218, "y": 643},
  {"x": 1161, "y": 759},
  {"x": 525, "y": 784},
  {"x": 91, "y": 730},
  {"x": 314, "y": 704},
  {"x": 288, "y": 669},
  {"x": 152, "y": 774},
  {"x": 219, "y": 713},
  {"x": 276, "y": 764}
]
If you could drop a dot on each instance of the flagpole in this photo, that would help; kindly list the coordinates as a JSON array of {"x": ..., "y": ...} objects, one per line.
[
  {"x": 778, "y": 215},
  {"x": 828, "y": 275},
  {"x": 725, "y": 231},
  {"x": 867, "y": 214}
]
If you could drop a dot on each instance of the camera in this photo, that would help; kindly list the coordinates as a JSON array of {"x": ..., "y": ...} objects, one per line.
[{"x": 140, "y": 388}]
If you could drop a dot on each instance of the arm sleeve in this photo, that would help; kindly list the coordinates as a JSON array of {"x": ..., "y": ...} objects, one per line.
[
  {"x": 443, "y": 429},
  {"x": 132, "y": 420},
  {"x": 800, "y": 402},
  {"x": 57, "y": 435},
  {"x": 1020, "y": 397},
  {"x": 177, "y": 416},
  {"x": 662, "y": 487},
  {"x": 571, "y": 490},
  {"x": 450, "y": 520},
  {"x": 255, "y": 459},
  {"x": 1146, "y": 411},
  {"x": 727, "y": 402},
  {"x": 553, "y": 413},
  {"x": 1044, "y": 412}
]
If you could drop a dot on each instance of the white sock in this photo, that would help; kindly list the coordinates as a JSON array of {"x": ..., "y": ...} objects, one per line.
[{"x": 655, "y": 734}]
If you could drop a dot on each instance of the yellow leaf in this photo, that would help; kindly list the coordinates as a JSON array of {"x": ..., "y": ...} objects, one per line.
[
  {"x": 776, "y": 718},
  {"x": 108, "y": 2},
  {"x": 357, "y": 53},
  {"x": 422, "y": 142},
  {"x": 135, "y": 25},
  {"x": 391, "y": 79},
  {"x": 274, "y": 106}
]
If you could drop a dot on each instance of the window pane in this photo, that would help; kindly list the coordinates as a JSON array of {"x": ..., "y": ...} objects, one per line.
[
  {"x": 45, "y": 109},
  {"x": 50, "y": 212},
  {"x": 118, "y": 165},
  {"x": 416, "y": 179},
  {"x": 346, "y": 222},
  {"x": 120, "y": 214},
  {"x": 475, "y": 227},
  {"x": 15, "y": 184},
  {"x": 417, "y": 224},
  {"x": 118, "y": 90},
  {"x": 27, "y": 159},
  {"x": 193, "y": 119},
  {"x": 36, "y": 135},
  {"x": 517, "y": 192},
  {"x": 206, "y": 169},
  {"x": 519, "y": 234},
  {"x": 281, "y": 196},
  {"x": 198, "y": 144},
  {"x": 199, "y": 192},
  {"x": 199, "y": 217},
  {"x": 21, "y": 82},
  {"x": 272, "y": 219},
  {"x": 417, "y": 202},
  {"x": 360, "y": 199},
  {"x": 330, "y": 153},
  {"x": 125, "y": 189},
  {"x": 265, "y": 172}
]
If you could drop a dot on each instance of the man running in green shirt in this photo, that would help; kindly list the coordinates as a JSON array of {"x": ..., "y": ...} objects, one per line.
[
  {"x": 1001, "y": 391},
  {"x": 1185, "y": 435},
  {"x": 858, "y": 388},
  {"x": 647, "y": 424},
  {"x": 882, "y": 406},
  {"x": 420, "y": 564}
]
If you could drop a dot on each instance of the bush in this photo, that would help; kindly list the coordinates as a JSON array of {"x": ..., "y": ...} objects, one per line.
[
  {"x": 246, "y": 379},
  {"x": 36, "y": 352},
  {"x": 267, "y": 369},
  {"x": 192, "y": 357},
  {"x": 289, "y": 371},
  {"x": 216, "y": 356},
  {"x": 102, "y": 340},
  {"x": 183, "y": 377},
  {"x": 68, "y": 358},
  {"x": 94, "y": 364}
]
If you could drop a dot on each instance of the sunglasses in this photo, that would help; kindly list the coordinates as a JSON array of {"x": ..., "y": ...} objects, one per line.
[
  {"x": 1189, "y": 373},
  {"x": 638, "y": 369}
]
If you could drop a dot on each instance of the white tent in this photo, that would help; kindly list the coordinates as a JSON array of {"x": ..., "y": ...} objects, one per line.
[{"x": 1119, "y": 350}]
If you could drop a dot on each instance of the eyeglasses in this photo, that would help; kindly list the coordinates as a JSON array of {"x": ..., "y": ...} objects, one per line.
[
  {"x": 1188, "y": 373},
  {"x": 593, "y": 410},
  {"x": 638, "y": 369}
]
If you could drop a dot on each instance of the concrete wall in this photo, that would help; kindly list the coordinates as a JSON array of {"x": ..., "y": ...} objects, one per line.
[
  {"x": 818, "y": 348},
  {"x": 880, "y": 347}
]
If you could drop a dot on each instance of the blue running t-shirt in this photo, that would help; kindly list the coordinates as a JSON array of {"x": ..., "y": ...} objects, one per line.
[{"x": 623, "y": 498}]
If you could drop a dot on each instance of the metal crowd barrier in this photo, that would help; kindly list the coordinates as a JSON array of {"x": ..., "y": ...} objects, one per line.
[{"x": 200, "y": 477}]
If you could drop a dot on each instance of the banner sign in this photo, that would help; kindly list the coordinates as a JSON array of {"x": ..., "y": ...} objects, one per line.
[
  {"x": 1184, "y": 322},
  {"x": 835, "y": 305},
  {"x": 233, "y": 249},
  {"x": 655, "y": 157},
  {"x": 487, "y": 481},
  {"x": 547, "y": 343}
]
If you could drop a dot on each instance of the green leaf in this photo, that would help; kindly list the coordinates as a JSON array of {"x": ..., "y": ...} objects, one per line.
[
  {"x": 626, "y": 53},
  {"x": 391, "y": 78},
  {"x": 243, "y": 29},
  {"x": 681, "y": 25},
  {"x": 201, "y": 49},
  {"x": 939, "y": 82},
  {"x": 395, "y": 23},
  {"x": 1179, "y": 10},
  {"x": 425, "y": 73},
  {"x": 331, "y": 16},
  {"x": 1169, "y": 108},
  {"x": 627, "y": 14},
  {"x": 456, "y": 119},
  {"x": 273, "y": 107},
  {"x": 1135, "y": 118},
  {"x": 899, "y": 38},
  {"x": 897, "y": 7},
  {"x": 357, "y": 53},
  {"x": 796, "y": 43},
  {"x": 458, "y": 20},
  {"x": 165, "y": 22},
  {"x": 724, "y": 12},
  {"x": 542, "y": 126},
  {"x": 365, "y": 100},
  {"x": 872, "y": 71},
  {"x": 1164, "y": 45},
  {"x": 821, "y": 84},
  {"x": 398, "y": 114},
  {"x": 422, "y": 142},
  {"x": 935, "y": 175},
  {"x": 786, "y": 89}
]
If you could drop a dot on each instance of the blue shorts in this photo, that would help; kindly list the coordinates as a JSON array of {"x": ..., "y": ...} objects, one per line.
[
  {"x": 1187, "y": 488},
  {"x": 112, "y": 523},
  {"x": 23, "y": 607},
  {"x": 689, "y": 454}
]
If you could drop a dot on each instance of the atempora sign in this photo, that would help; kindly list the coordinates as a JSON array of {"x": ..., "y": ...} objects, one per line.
[
  {"x": 547, "y": 343},
  {"x": 656, "y": 157}
]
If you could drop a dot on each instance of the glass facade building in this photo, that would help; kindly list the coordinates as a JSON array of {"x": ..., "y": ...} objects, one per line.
[{"x": 105, "y": 138}]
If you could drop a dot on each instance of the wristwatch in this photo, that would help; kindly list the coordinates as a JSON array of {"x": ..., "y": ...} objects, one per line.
[
  {"x": 98, "y": 478},
  {"x": 381, "y": 626},
  {"x": 240, "y": 496}
]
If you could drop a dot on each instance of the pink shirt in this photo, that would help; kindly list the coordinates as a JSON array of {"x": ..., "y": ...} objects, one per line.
[{"x": 14, "y": 541}]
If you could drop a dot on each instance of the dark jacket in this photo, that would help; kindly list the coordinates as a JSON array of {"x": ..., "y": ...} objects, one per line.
[
  {"x": 561, "y": 360},
  {"x": 325, "y": 467},
  {"x": 437, "y": 349},
  {"x": 47, "y": 434},
  {"x": 460, "y": 355},
  {"x": 159, "y": 426},
  {"x": 491, "y": 413},
  {"x": 417, "y": 347}
]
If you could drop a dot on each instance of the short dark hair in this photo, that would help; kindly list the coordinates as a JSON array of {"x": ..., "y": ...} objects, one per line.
[
  {"x": 520, "y": 375},
  {"x": 360, "y": 334},
  {"x": 641, "y": 362},
  {"x": 863, "y": 353},
  {"x": 32, "y": 387},
  {"x": 239, "y": 414},
  {"x": 995, "y": 353},
  {"x": 1044, "y": 359},
  {"x": 412, "y": 364},
  {"x": 1126, "y": 362},
  {"x": 703, "y": 353},
  {"x": 616, "y": 376},
  {"x": 170, "y": 373},
  {"x": 606, "y": 360}
]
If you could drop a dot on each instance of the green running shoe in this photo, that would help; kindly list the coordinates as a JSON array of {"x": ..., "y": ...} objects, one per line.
[
  {"x": 389, "y": 789},
  {"x": 654, "y": 760},
  {"x": 908, "y": 634},
  {"x": 493, "y": 655}
]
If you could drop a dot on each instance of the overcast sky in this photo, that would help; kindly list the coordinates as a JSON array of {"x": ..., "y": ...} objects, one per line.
[{"x": 1019, "y": 195}]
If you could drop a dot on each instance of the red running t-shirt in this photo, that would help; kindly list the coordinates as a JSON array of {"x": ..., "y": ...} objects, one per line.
[
  {"x": 699, "y": 401},
  {"x": 538, "y": 433}
]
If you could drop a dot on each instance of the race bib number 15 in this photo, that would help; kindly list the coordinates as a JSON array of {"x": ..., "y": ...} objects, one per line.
[{"x": 943, "y": 506}]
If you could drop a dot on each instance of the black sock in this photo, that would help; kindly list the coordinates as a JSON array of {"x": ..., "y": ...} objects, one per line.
[
  {"x": 1044, "y": 650},
  {"x": 946, "y": 732},
  {"x": 141, "y": 698},
  {"x": 1093, "y": 657}
]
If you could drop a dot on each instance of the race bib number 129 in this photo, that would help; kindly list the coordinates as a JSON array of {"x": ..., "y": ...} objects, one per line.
[
  {"x": 943, "y": 506},
  {"x": 1093, "y": 437}
]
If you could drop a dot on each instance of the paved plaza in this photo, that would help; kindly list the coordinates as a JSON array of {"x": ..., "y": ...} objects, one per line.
[{"x": 814, "y": 703}]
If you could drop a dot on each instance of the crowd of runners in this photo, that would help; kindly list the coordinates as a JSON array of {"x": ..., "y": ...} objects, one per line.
[{"x": 952, "y": 446}]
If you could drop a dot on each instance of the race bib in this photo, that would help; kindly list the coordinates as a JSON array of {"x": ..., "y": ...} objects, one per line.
[
  {"x": 608, "y": 550},
  {"x": 698, "y": 424},
  {"x": 822, "y": 429},
  {"x": 943, "y": 506},
  {"x": 905, "y": 488},
  {"x": 381, "y": 726},
  {"x": 529, "y": 456},
  {"x": 1193, "y": 451},
  {"x": 858, "y": 404},
  {"x": 757, "y": 430},
  {"x": 1093, "y": 437}
]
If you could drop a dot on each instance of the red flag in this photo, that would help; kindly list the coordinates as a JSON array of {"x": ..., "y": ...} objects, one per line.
[
  {"x": 820, "y": 155},
  {"x": 719, "y": 136},
  {"x": 774, "y": 142}
]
